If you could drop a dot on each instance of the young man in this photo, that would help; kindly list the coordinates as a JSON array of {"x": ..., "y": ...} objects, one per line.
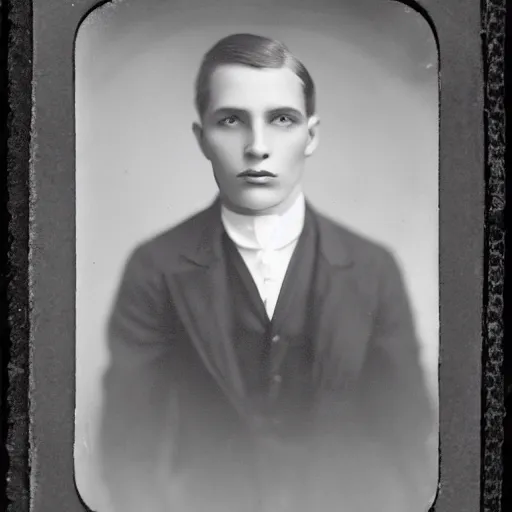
[{"x": 263, "y": 357}]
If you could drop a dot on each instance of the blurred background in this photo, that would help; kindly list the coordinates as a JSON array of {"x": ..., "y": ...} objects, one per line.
[{"x": 139, "y": 171}]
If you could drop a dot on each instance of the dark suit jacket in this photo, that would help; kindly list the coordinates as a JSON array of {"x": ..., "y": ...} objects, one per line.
[{"x": 173, "y": 376}]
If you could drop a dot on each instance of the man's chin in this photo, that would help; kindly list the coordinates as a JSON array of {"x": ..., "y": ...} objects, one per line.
[
  {"x": 256, "y": 204},
  {"x": 260, "y": 200}
]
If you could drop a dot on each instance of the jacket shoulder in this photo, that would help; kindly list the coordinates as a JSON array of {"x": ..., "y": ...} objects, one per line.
[
  {"x": 362, "y": 250},
  {"x": 166, "y": 247}
]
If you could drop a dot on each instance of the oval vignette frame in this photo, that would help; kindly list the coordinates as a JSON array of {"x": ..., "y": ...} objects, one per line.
[{"x": 457, "y": 27}]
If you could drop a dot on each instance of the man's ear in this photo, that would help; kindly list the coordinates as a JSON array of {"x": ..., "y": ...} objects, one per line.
[
  {"x": 199, "y": 133},
  {"x": 314, "y": 134}
]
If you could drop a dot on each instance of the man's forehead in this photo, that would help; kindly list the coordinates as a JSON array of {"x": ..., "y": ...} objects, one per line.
[{"x": 247, "y": 88}]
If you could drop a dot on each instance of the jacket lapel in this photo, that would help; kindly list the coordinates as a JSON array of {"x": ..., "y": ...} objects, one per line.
[
  {"x": 200, "y": 295},
  {"x": 342, "y": 324}
]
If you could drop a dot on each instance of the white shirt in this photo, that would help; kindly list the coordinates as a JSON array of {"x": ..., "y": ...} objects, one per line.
[{"x": 266, "y": 244}]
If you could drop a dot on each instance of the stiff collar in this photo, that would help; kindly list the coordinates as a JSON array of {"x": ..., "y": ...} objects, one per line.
[
  {"x": 202, "y": 244},
  {"x": 265, "y": 232}
]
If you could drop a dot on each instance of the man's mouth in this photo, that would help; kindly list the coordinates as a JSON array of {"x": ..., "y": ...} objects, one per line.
[
  {"x": 252, "y": 173},
  {"x": 255, "y": 177}
]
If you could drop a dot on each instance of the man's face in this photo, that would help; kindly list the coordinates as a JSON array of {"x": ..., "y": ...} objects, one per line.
[{"x": 257, "y": 136}]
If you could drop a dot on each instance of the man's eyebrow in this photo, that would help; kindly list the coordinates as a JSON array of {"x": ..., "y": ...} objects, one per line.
[
  {"x": 274, "y": 111},
  {"x": 229, "y": 110},
  {"x": 286, "y": 110}
]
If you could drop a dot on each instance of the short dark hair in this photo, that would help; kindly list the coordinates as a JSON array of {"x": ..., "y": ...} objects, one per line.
[{"x": 253, "y": 51}]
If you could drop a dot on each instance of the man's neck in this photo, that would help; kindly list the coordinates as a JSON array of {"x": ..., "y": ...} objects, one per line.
[
  {"x": 265, "y": 231},
  {"x": 279, "y": 209}
]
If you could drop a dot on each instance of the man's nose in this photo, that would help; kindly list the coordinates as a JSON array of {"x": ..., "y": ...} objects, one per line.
[{"x": 257, "y": 146}]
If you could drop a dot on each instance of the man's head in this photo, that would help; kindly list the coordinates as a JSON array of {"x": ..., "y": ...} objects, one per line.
[{"x": 256, "y": 104}]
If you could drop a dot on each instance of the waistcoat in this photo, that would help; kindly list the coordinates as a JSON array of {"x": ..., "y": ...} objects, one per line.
[{"x": 275, "y": 357}]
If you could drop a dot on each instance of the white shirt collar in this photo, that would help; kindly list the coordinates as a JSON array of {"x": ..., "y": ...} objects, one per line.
[{"x": 265, "y": 232}]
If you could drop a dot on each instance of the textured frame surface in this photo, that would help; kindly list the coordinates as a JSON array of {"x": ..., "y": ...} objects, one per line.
[
  {"x": 493, "y": 396},
  {"x": 42, "y": 288}
]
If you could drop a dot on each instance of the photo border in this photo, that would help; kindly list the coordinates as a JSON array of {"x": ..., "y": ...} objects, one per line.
[{"x": 41, "y": 181}]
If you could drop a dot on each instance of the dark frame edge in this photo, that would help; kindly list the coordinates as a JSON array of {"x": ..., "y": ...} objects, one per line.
[
  {"x": 493, "y": 396},
  {"x": 18, "y": 24}
]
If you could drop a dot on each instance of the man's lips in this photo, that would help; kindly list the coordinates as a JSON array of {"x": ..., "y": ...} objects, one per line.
[{"x": 252, "y": 173}]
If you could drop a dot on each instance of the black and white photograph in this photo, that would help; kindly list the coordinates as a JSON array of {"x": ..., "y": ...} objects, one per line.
[{"x": 257, "y": 278}]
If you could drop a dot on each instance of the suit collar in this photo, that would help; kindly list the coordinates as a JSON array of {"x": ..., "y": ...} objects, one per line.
[
  {"x": 333, "y": 243},
  {"x": 200, "y": 293},
  {"x": 205, "y": 247}
]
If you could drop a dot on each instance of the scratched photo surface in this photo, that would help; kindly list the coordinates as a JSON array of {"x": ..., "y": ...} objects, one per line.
[{"x": 140, "y": 171}]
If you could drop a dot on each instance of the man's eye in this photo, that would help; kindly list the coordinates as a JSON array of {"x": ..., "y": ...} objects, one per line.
[
  {"x": 283, "y": 120},
  {"x": 229, "y": 121}
]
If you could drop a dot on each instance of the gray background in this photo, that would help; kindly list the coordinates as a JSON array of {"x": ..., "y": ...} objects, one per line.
[{"x": 138, "y": 170}]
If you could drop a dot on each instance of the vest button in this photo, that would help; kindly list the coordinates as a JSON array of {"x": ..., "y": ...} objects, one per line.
[{"x": 276, "y": 338}]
